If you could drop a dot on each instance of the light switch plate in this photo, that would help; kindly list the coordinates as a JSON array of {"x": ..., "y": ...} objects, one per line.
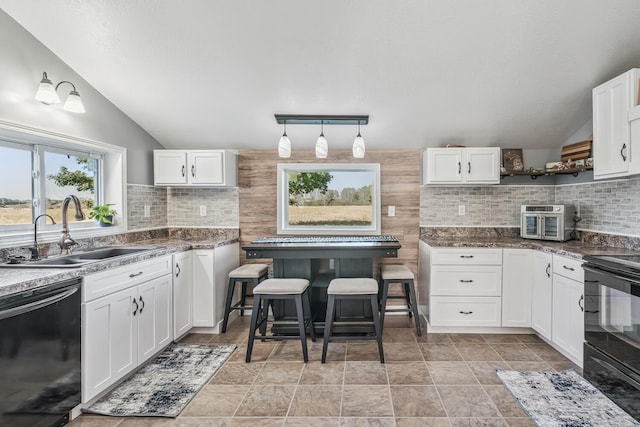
[
  {"x": 147, "y": 211},
  {"x": 461, "y": 210},
  {"x": 391, "y": 211},
  {"x": 203, "y": 210}
]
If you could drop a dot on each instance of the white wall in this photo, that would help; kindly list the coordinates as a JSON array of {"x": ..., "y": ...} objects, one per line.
[{"x": 23, "y": 59}]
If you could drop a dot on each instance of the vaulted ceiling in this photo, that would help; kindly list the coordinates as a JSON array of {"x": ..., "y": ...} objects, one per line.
[{"x": 212, "y": 73}]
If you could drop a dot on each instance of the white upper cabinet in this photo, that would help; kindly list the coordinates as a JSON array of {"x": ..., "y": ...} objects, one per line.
[
  {"x": 195, "y": 167},
  {"x": 613, "y": 146},
  {"x": 461, "y": 165}
]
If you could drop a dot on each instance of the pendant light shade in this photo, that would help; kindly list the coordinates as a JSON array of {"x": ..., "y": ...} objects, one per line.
[
  {"x": 358, "y": 145},
  {"x": 46, "y": 92},
  {"x": 322, "y": 146},
  {"x": 284, "y": 146}
]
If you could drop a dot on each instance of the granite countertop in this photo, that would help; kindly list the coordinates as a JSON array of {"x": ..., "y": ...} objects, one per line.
[
  {"x": 19, "y": 279},
  {"x": 572, "y": 249}
]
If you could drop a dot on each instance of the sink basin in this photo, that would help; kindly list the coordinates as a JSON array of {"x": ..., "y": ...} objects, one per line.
[{"x": 81, "y": 258}]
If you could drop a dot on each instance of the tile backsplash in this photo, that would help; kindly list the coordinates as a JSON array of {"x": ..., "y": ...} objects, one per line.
[
  {"x": 184, "y": 204},
  {"x": 605, "y": 206},
  {"x": 485, "y": 206},
  {"x": 139, "y": 196}
]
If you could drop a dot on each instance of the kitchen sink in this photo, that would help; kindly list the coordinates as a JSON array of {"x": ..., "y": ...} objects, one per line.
[{"x": 81, "y": 258}]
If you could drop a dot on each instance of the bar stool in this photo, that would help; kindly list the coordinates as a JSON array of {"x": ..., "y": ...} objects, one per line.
[
  {"x": 248, "y": 273},
  {"x": 349, "y": 289},
  {"x": 280, "y": 289},
  {"x": 393, "y": 273}
]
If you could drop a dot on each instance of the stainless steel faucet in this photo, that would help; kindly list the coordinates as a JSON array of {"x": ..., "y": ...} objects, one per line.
[
  {"x": 35, "y": 251},
  {"x": 65, "y": 239}
]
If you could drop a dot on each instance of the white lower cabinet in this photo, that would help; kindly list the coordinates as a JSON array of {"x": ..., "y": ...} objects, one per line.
[
  {"x": 542, "y": 294},
  {"x": 567, "y": 330},
  {"x": 464, "y": 286},
  {"x": 130, "y": 321},
  {"x": 516, "y": 287},
  {"x": 182, "y": 293},
  {"x": 211, "y": 268}
]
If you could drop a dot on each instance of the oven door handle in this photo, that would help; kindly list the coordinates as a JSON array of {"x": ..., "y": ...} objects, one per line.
[
  {"x": 36, "y": 305},
  {"x": 541, "y": 226}
]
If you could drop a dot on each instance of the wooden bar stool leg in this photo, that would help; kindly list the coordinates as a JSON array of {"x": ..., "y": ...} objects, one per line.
[
  {"x": 383, "y": 303},
  {"x": 328, "y": 324},
  {"x": 414, "y": 308},
  {"x": 243, "y": 299},
  {"x": 255, "y": 316},
  {"x": 301, "y": 327},
  {"x": 306, "y": 302},
  {"x": 227, "y": 308},
  {"x": 377, "y": 326}
]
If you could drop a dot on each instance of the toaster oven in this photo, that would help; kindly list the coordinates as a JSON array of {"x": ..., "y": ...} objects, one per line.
[{"x": 547, "y": 222}]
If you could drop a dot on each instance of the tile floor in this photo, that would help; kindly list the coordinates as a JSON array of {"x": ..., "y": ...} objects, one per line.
[{"x": 434, "y": 380}]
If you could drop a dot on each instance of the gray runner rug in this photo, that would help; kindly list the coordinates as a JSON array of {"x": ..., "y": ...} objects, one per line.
[
  {"x": 555, "y": 399},
  {"x": 164, "y": 386}
]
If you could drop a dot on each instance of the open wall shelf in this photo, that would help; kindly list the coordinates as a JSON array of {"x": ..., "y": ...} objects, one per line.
[{"x": 534, "y": 175}]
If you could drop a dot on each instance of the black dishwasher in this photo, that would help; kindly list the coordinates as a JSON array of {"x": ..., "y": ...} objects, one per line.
[{"x": 40, "y": 355}]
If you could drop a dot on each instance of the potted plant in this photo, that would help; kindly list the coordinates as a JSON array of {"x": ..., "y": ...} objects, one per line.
[{"x": 103, "y": 214}]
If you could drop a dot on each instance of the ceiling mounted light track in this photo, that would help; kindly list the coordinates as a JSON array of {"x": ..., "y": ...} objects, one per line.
[{"x": 322, "y": 146}]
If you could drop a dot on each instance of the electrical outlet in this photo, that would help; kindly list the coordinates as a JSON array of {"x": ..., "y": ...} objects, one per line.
[
  {"x": 461, "y": 210},
  {"x": 203, "y": 210},
  {"x": 147, "y": 211},
  {"x": 391, "y": 211},
  {"x": 577, "y": 210}
]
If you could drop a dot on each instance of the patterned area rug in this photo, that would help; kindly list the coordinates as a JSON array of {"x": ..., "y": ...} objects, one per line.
[
  {"x": 554, "y": 399},
  {"x": 165, "y": 385}
]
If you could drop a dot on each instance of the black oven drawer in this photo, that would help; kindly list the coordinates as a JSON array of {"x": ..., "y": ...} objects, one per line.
[{"x": 617, "y": 382}]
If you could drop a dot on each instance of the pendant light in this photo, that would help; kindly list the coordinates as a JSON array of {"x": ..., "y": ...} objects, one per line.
[
  {"x": 284, "y": 146},
  {"x": 322, "y": 147},
  {"x": 358, "y": 145}
]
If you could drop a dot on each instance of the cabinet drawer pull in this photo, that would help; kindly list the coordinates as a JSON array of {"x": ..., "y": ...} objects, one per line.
[
  {"x": 568, "y": 268},
  {"x": 469, "y": 168},
  {"x": 178, "y": 269},
  {"x": 459, "y": 168},
  {"x": 580, "y": 303},
  {"x": 466, "y": 312},
  {"x": 141, "y": 302},
  {"x": 466, "y": 256},
  {"x": 183, "y": 170},
  {"x": 135, "y": 274},
  {"x": 193, "y": 171},
  {"x": 466, "y": 281},
  {"x": 624, "y": 157},
  {"x": 135, "y": 310}
]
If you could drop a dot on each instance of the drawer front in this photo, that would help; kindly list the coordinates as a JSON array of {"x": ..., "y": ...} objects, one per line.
[
  {"x": 473, "y": 256},
  {"x": 568, "y": 267},
  {"x": 114, "y": 280},
  {"x": 462, "y": 311},
  {"x": 463, "y": 280}
]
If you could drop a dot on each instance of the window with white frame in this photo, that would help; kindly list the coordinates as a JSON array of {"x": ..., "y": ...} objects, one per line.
[{"x": 37, "y": 173}]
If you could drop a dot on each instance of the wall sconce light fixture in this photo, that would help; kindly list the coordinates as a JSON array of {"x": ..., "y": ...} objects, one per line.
[
  {"x": 47, "y": 94},
  {"x": 322, "y": 146}
]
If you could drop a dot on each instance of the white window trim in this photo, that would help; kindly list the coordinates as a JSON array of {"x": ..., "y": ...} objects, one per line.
[{"x": 113, "y": 184}]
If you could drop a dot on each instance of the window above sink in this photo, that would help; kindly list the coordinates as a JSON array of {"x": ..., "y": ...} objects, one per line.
[{"x": 41, "y": 168}]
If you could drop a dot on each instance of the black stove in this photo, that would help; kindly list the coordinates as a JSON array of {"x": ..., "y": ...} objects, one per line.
[{"x": 612, "y": 327}]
